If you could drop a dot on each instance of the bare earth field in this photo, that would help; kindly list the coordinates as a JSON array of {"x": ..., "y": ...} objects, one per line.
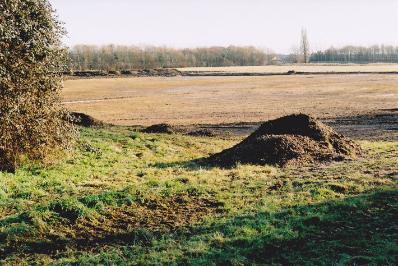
[{"x": 368, "y": 102}]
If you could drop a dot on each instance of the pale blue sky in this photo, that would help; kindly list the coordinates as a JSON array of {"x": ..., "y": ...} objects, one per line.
[{"x": 274, "y": 24}]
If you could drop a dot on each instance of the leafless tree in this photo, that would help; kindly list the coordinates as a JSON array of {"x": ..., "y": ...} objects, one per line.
[
  {"x": 116, "y": 57},
  {"x": 304, "y": 46}
]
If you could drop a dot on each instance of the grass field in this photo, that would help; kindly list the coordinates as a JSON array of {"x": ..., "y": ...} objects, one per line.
[
  {"x": 189, "y": 100},
  {"x": 131, "y": 198}
]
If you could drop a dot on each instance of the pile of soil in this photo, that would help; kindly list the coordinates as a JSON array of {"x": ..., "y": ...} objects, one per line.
[
  {"x": 82, "y": 119},
  {"x": 114, "y": 73},
  {"x": 202, "y": 133},
  {"x": 159, "y": 72},
  {"x": 160, "y": 128},
  {"x": 129, "y": 72},
  {"x": 291, "y": 140},
  {"x": 89, "y": 73}
]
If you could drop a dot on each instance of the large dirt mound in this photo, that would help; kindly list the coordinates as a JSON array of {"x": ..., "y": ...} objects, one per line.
[{"x": 295, "y": 139}]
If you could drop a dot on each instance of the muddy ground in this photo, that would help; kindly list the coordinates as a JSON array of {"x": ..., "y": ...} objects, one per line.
[{"x": 377, "y": 125}]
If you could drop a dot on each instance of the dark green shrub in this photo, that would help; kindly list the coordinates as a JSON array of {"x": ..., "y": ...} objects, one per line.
[{"x": 31, "y": 62}]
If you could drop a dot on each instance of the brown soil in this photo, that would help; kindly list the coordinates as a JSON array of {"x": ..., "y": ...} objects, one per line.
[
  {"x": 87, "y": 74},
  {"x": 294, "y": 139},
  {"x": 374, "y": 125},
  {"x": 160, "y": 128},
  {"x": 114, "y": 73},
  {"x": 379, "y": 125},
  {"x": 158, "y": 72},
  {"x": 156, "y": 215},
  {"x": 193, "y": 130},
  {"x": 202, "y": 133},
  {"x": 83, "y": 120}
]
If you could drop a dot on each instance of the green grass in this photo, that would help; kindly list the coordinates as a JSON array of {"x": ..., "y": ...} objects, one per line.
[{"x": 123, "y": 197}]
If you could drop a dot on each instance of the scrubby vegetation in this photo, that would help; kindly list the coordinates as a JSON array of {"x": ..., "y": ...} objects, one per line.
[
  {"x": 127, "y": 197},
  {"x": 31, "y": 58}
]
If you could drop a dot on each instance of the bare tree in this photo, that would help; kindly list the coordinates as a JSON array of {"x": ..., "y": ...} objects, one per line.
[
  {"x": 304, "y": 46},
  {"x": 116, "y": 57},
  {"x": 295, "y": 55}
]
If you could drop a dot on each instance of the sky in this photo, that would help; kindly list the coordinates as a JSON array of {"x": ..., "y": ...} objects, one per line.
[{"x": 273, "y": 24}]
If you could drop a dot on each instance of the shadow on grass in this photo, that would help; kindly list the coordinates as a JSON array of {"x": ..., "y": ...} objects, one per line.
[{"x": 353, "y": 231}]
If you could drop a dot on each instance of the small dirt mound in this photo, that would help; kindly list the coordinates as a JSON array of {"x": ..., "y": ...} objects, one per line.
[
  {"x": 129, "y": 72},
  {"x": 89, "y": 73},
  {"x": 295, "y": 139},
  {"x": 114, "y": 73},
  {"x": 159, "y": 72},
  {"x": 160, "y": 128},
  {"x": 83, "y": 120},
  {"x": 202, "y": 133}
]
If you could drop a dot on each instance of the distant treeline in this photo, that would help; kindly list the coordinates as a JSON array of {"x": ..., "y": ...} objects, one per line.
[
  {"x": 111, "y": 57},
  {"x": 357, "y": 54},
  {"x": 117, "y": 58}
]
